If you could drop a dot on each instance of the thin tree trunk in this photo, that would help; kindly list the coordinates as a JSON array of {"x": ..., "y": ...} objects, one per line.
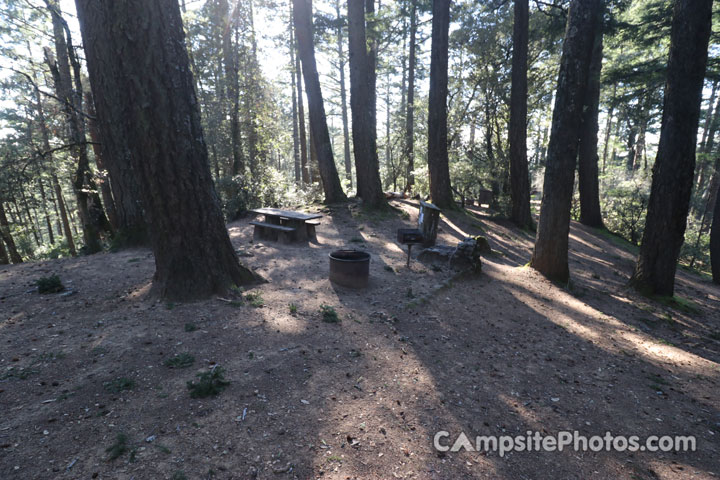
[
  {"x": 104, "y": 179},
  {"x": 232, "y": 82},
  {"x": 302, "y": 13},
  {"x": 305, "y": 168},
  {"x": 519, "y": 176},
  {"x": 4, "y": 258},
  {"x": 551, "y": 244},
  {"x": 43, "y": 199},
  {"x": 92, "y": 216},
  {"x": 674, "y": 168},
  {"x": 362, "y": 106},
  {"x": 343, "y": 95},
  {"x": 138, "y": 65},
  {"x": 7, "y": 236},
  {"x": 410, "y": 115},
  {"x": 293, "y": 75},
  {"x": 709, "y": 114},
  {"x": 438, "y": 167},
  {"x": 715, "y": 242},
  {"x": 588, "y": 182},
  {"x": 608, "y": 126}
]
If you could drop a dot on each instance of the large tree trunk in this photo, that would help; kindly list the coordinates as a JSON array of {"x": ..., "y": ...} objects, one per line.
[
  {"x": 343, "y": 94},
  {"x": 410, "y": 115},
  {"x": 519, "y": 176},
  {"x": 715, "y": 242},
  {"x": 4, "y": 258},
  {"x": 92, "y": 216},
  {"x": 588, "y": 182},
  {"x": 362, "y": 106},
  {"x": 6, "y": 236},
  {"x": 440, "y": 189},
  {"x": 302, "y": 12},
  {"x": 138, "y": 66},
  {"x": 674, "y": 168},
  {"x": 551, "y": 244}
]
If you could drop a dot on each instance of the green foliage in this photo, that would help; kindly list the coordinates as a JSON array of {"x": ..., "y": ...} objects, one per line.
[
  {"x": 255, "y": 299},
  {"x": 293, "y": 308},
  {"x": 118, "y": 385},
  {"x": 625, "y": 207},
  {"x": 209, "y": 384},
  {"x": 118, "y": 448},
  {"x": 181, "y": 360},
  {"x": 51, "y": 284},
  {"x": 190, "y": 327},
  {"x": 329, "y": 315}
]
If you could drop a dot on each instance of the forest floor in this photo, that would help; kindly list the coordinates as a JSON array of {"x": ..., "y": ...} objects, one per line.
[{"x": 421, "y": 350}]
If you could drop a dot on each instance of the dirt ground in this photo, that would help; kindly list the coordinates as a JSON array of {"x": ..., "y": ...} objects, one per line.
[{"x": 419, "y": 351}]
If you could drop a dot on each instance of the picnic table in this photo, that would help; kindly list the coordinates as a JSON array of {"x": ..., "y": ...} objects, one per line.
[{"x": 285, "y": 225}]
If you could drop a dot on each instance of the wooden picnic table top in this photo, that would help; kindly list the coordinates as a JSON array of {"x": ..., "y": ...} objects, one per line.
[{"x": 276, "y": 212}]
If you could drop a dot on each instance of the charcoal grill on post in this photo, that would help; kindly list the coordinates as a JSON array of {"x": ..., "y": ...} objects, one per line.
[{"x": 409, "y": 237}]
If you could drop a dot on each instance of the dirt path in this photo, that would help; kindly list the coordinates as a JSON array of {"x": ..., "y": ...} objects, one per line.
[{"x": 417, "y": 352}]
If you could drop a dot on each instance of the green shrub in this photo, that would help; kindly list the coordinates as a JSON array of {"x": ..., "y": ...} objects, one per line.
[
  {"x": 51, "y": 284},
  {"x": 209, "y": 383},
  {"x": 181, "y": 360},
  {"x": 329, "y": 315}
]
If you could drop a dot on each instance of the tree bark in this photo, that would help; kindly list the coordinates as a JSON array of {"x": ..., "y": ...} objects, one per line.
[
  {"x": 232, "y": 82},
  {"x": 674, "y": 167},
  {"x": 551, "y": 244},
  {"x": 139, "y": 70},
  {"x": 410, "y": 115},
  {"x": 588, "y": 182},
  {"x": 302, "y": 12},
  {"x": 92, "y": 216},
  {"x": 304, "y": 166},
  {"x": 104, "y": 179},
  {"x": 362, "y": 107},
  {"x": 4, "y": 258},
  {"x": 519, "y": 176},
  {"x": 343, "y": 95},
  {"x": 715, "y": 242},
  {"x": 608, "y": 126},
  {"x": 293, "y": 75},
  {"x": 438, "y": 167},
  {"x": 6, "y": 236}
]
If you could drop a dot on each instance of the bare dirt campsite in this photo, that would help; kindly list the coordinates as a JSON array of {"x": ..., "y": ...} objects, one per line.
[{"x": 88, "y": 373}]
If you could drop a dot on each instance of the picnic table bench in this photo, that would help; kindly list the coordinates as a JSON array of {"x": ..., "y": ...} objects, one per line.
[{"x": 285, "y": 225}]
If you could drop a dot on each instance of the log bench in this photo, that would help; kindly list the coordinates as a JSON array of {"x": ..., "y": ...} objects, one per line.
[{"x": 271, "y": 231}]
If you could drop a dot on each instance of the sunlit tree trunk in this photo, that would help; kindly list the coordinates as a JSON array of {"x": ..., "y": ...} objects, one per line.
[
  {"x": 551, "y": 244},
  {"x": 138, "y": 65},
  {"x": 410, "y": 114},
  {"x": 674, "y": 168},
  {"x": 362, "y": 106},
  {"x": 343, "y": 95},
  {"x": 302, "y": 13}
]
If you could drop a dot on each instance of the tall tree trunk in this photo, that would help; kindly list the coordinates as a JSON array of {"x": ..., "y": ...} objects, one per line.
[
  {"x": 6, "y": 236},
  {"x": 343, "y": 94},
  {"x": 410, "y": 115},
  {"x": 302, "y": 12},
  {"x": 608, "y": 126},
  {"x": 674, "y": 167},
  {"x": 551, "y": 244},
  {"x": 232, "y": 82},
  {"x": 252, "y": 79},
  {"x": 519, "y": 176},
  {"x": 362, "y": 106},
  {"x": 104, "y": 179},
  {"x": 293, "y": 74},
  {"x": 588, "y": 182},
  {"x": 715, "y": 241},
  {"x": 61, "y": 213},
  {"x": 438, "y": 167},
  {"x": 43, "y": 199},
  {"x": 138, "y": 65},
  {"x": 92, "y": 216},
  {"x": 305, "y": 168}
]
